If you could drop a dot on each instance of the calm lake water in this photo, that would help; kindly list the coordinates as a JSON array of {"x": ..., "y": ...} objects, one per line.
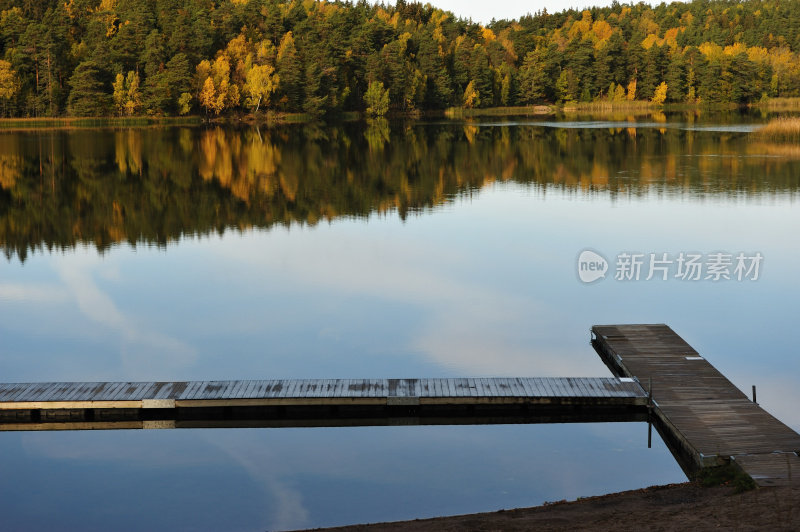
[{"x": 416, "y": 250}]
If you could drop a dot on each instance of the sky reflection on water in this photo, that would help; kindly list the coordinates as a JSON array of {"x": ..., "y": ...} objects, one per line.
[{"x": 485, "y": 285}]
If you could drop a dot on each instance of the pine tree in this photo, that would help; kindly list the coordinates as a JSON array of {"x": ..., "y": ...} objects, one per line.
[
  {"x": 676, "y": 78},
  {"x": 290, "y": 72},
  {"x": 536, "y": 77},
  {"x": 87, "y": 97}
]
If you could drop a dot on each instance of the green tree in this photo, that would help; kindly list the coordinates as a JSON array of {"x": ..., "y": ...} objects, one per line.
[
  {"x": 567, "y": 86},
  {"x": 433, "y": 68},
  {"x": 184, "y": 103},
  {"x": 653, "y": 72},
  {"x": 536, "y": 77},
  {"x": 290, "y": 72},
  {"x": 581, "y": 70},
  {"x": 676, "y": 78},
  {"x": 461, "y": 62},
  {"x": 163, "y": 89},
  {"x": 481, "y": 77},
  {"x": 87, "y": 97},
  {"x": 376, "y": 99}
]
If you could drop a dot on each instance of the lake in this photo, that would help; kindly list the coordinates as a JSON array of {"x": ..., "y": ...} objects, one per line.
[{"x": 387, "y": 250}]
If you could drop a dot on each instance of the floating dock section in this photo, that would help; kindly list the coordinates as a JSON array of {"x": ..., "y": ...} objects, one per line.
[
  {"x": 315, "y": 403},
  {"x": 701, "y": 415}
]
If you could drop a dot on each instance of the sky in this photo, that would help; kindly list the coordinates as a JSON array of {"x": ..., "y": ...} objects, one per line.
[{"x": 483, "y": 11}]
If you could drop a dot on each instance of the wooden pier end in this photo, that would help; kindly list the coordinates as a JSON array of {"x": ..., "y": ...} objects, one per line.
[{"x": 704, "y": 419}]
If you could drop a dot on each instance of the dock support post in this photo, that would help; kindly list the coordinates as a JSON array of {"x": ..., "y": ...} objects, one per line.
[{"x": 649, "y": 412}]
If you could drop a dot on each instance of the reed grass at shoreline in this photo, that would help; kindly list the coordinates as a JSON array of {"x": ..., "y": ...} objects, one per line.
[{"x": 781, "y": 129}]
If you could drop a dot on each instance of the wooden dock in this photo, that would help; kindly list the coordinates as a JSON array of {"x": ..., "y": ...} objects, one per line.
[
  {"x": 702, "y": 416},
  {"x": 332, "y": 402},
  {"x": 704, "y": 419}
]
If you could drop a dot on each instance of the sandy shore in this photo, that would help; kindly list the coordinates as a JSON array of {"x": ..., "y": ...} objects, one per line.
[{"x": 673, "y": 507}]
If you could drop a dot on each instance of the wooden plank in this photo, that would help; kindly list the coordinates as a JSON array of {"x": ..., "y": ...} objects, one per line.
[
  {"x": 519, "y": 389},
  {"x": 158, "y": 390},
  {"x": 536, "y": 387},
  {"x": 527, "y": 387},
  {"x": 553, "y": 387},
  {"x": 289, "y": 388},
  {"x": 502, "y": 387},
  {"x": 208, "y": 389},
  {"x": 25, "y": 390},
  {"x": 11, "y": 390},
  {"x": 494, "y": 389},
  {"x": 251, "y": 389},
  {"x": 119, "y": 392},
  {"x": 583, "y": 389},
  {"x": 191, "y": 390},
  {"x": 227, "y": 389},
  {"x": 259, "y": 389},
  {"x": 437, "y": 388},
  {"x": 55, "y": 392},
  {"x": 143, "y": 390}
]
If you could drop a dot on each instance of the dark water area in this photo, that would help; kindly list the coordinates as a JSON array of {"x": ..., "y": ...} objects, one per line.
[{"x": 388, "y": 250}]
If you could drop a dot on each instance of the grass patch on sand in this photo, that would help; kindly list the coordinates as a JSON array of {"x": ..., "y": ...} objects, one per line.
[{"x": 726, "y": 475}]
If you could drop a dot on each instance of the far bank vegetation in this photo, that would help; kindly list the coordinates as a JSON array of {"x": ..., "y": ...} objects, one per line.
[{"x": 218, "y": 58}]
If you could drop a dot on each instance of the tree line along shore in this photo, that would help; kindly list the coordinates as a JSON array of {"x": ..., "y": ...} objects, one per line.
[{"x": 217, "y": 58}]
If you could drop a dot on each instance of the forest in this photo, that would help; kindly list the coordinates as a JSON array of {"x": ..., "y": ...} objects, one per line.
[{"x": 235, "y": 57}]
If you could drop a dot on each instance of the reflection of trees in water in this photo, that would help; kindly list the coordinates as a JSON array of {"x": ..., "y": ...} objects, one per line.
[{"x": 59, "y": 188}]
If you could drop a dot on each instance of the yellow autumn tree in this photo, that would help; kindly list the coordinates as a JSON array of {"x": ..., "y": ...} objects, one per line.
[
  {"x": 127, "y": 97},
  {"x": 119, "y": 92},
  {"x": 660, "y": 94},
  {"x": 216, "y": 91},
  {"x": 631, "y": 95},
  {"x": 8, "y": 81},
  {"x": 260, "y": 83},
  {"x": 133, "y": 100},
  {"x": 472, "y": 97},
  {"x": 207, "y": 96}
]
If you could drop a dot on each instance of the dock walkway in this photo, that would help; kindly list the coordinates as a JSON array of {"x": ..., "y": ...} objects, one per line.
[
  {"x": 326, "y": 402},
  {"x": 702, "y": 416}
]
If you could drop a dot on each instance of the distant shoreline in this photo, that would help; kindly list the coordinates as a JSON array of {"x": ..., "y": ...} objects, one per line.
[{"x": 598, "y": 108}]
